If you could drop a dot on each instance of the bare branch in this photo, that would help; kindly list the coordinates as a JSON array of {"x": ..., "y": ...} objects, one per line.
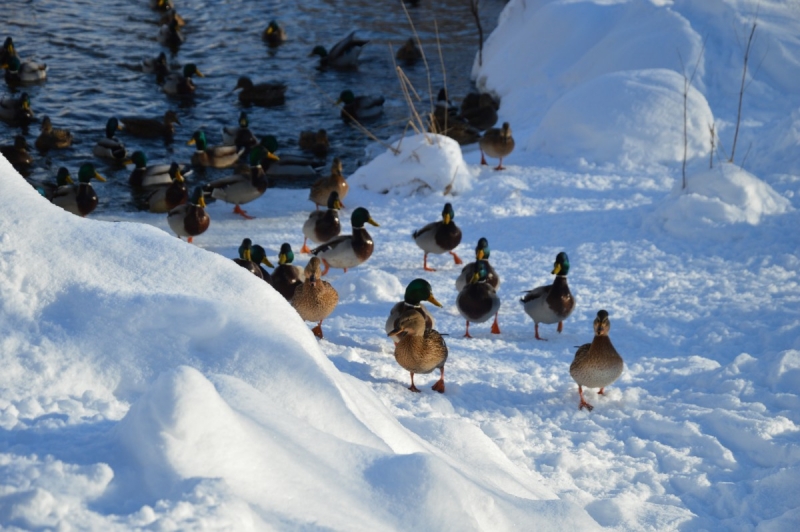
[{"x": 473, "y": 7}]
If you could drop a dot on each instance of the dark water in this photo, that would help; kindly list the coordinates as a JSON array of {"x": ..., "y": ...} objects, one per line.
[{"x": 94, "y": 49}]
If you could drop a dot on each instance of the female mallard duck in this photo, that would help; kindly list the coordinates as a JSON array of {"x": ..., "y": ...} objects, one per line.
[
  {"x": 419, "y": 349},
  {"x": 409, "y": 53},
  {"x": 314, "y": 299},
  {"x": 166, "y": 197},
  {"x": 239, "y": 136},
  {"x": 596, "y": 365},
  {"x": 553, "y": 302},
  {"x": 109, "y": 147},
  {"x": 417, "y": 291},
  {"x": 274, "y": 35},
  {"x": 479, "y": 110},
  {"x": 144, "y": 176},
  {"x": 18, "y": 155},
  {"x": 251, "y": 258},
  {"x": 214, "y": 156},
  {"x": 323, "y": 226},
  {"x": 315, "y": 142},
  {"x": 344, "y": 53},
  {"x": 263, "y": 94},
  {"x": 482, "y": 253},
  {"x": 181, "y": 84},
  {"x": 240, "y": 189},
  {"x": 321, "y": 189},
  {"x": 151, "y": 127},
  {"x": 170, "y": 35},
  {"x": 439, "y": 237},
  {"x": 287, "y": 277},
  {"x": 359, "y": 107},
  {"x": 19, "y": 72},
  {"x": 16, "y": 111},
  {"x": 156, "y": 65},
  {"x": 50, "y": 138},
  {"x": 79, "y": 198},
  {"x": 497, "y": 143},
  {"x": 191, "y": 218},
  {"x": 477, "y": 301},
  {"x": 351, "y": 250}
]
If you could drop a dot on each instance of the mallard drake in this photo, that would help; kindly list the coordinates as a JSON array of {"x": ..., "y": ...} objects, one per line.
[
  {"x": 170, "y": 35},
  {"x": 251, "y": 258},
  {"x": 239, "y": 136},
  {"x": 417, "y": 291},
  {"x": 49, "y": 190},
  {"x": 16, "y": 111},
  {"x": 321, "y": 188},
  {"x": 409, "y": 53},
  {"x": 79, "y": 198},
  {"x": 479, "y": 110},
  {"x": 287, "y": 277},
  {"x": 344, "y": 53},
  {"x": 7, "y": 51},
  {"x": 497, "y": 143},
  {"x": 214, "y": 156},
  {"x": 151, "y": 127},
  {"x": 419, "y": 349},
  {"x": 478, "y": 301},
  {"x": 181, "y": 84},
  {"x": 263, "y": 94},
  {"x": 359, "y": 107},
  {"x": 144, "y": 176},
  {"x": 596, "y": 365},
  {"x": 482, "y": 253},
  {"x": 350, "y": 250},
  {"x": 274, "y": 35},
  {"x": 553, "y": 302},
  {"x": 315, "y": 142},
  {"x": 166, "y": 197},
  {"x": 314, "y": 299},
  {"x": 323, "y": 226},
  {"x": 18, "y": 155},
  {"x": 439, "y": 237},
  {"x": 191, "y": 218},
  {"x": 110, "y": 147},
  {"x": 240, "y": 189},
  {"x": 50, "y": 138},
  {"x": 291, "y": 167},
  {"x": 157, "y": 65},
  {"x": 24, "y": 72}
]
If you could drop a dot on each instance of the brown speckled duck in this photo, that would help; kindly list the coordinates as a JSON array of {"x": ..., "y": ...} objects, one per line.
[
  {"x": 50, "y": 138},
  {"x": 477, "y": 301},
  {"x": 350, "y": 250},
  {"x": 419, "y": 350},
  {"x": 552, "y": 303},
  {"x": 321, "y": 188},
  {"x": 263, "y": 94},
  {"x": 417, "y": 291},
  {"x": 596, "y": 365},
  {"x": 439, "y": 237},
  {"x": 287, "y": 276},
  {"x": 323, "y": 226},
  {"x": 497, "y": 143},
  {"x": 315, "y": 299}
]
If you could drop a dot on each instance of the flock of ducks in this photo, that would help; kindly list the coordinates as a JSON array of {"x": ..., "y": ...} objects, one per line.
[{"x": 419, "y": 347}]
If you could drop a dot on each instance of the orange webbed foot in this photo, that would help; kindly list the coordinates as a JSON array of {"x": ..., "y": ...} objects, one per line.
[
  {"x": 456, "y": 258},
  {"x": 587, "y": 405},
  {"x": 438, "y": 386},
  {"x": 238, "y": 210},
  {"x": 560, "y": 326},
  {"x": 414, "y": 389},
  {"x": 318, "y": 330}
]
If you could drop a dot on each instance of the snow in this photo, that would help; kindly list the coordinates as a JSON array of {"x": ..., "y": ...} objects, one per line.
[{"x": 152, "y": 384}]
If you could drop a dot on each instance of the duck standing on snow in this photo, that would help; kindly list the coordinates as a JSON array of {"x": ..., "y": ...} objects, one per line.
[
  {"x": 439, "y": 237},
  {"x": 79, "y": 198},
  {"x": 553, "y": 302},
  {"x": 151, "y": 127},
  {"x": 191, "y": 218},
  {"x": 181, "y": 84},
  {"x": 359, "y": 107},
  {"x": 274, "y": 35},
  {"x": 482, "y": 253},
  {"x": 240, "y": 189},
  {"x": 477, "y": 301},
  {"x": 213, "y": 156},
  {"x": 479, "y": 110},
  {"x": 287, "y": 277},
  {"x": 419, "y": 349},
  {"x": 417, "y": 291},
  {"x": 344, "y": 53},
  {"x": 50, "y": 138},
  {"x": 110, "y": 147},
  {"x": 351, "y": 250},
  {"x": 263, "y": 94},
  {"x": 315, "y": 299},
  {"x": 321, "y": 188},
  {"x": 166, "y": 197},
  {"x": 323, "y": 226},
  {"x": 497, "y": 143},
  {"x": 596, "y": 365}
]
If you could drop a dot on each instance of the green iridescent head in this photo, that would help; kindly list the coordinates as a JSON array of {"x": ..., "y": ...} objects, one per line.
[
  {"x": 482, "y": 250},
  {"x": 360, "y": 217},
  {"x": 286, "y": 255},
  {"x": 87, "y": 172},
  {"x": 561, "y": 266},
  {"x": 63, "y": 177},
  {"x": 419, "y": 290},
  {"x": 448, "y": 213}
]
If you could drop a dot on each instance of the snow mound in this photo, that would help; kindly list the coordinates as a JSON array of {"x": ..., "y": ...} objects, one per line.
[
  {"x": 369, "y": 285},
  {"x": 428, "y": 161}
]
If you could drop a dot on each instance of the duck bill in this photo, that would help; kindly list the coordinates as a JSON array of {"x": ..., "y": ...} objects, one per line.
[
  {"x": 272, "y": 157},
  {"x": 202, "y": 202},
  {"x": 99, "y": 177},
  {"x": 433, "y": 300},
  {"x": 190, "y": 142},
  {"x": 479, "y": 255},
  {"x": 446, "y": 219},
  {"x": 312, "y": 280},
  {"x": 397, "y": 331},
  {"x": 267, "y": 262},
  {"x": 373, "y": 222},
  {"x": 199, "y": 74},
  {"x": 556, "y": 269}
]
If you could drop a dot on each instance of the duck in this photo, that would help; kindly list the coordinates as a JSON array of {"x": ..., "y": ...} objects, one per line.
[
  {"x": 157, "y": 65},
  {"x": 321, "y": 188},
  {"x": 190, "y": 219},
  {"x": 240, "y": 189},
  {"x": 344, "y": 53},
  {"x": 171, "y": 15},
  {"x": 409, "y": 53},
  {"x": 170, "y": 35},
  {"x": 144, "y": 176},
  {"x": 497, "y": 143},
  {"x": 552, "y": 303},
  {"x": 50, "y": 138},
  {"x": 479, "y": 110},
  {"x": 287, "y": 277},
  {"x": 181, "y": 84},
  {"x": 109, "y": 147},
  {"x": 49, "y": 190},
  {"x": 419, "y": 349},
  {"x": 79, "y": 198},
  {"x": 597, "y": 364},
  {"x": 323, "y": 226},
  {"x": 348, "y": 251},
  {"x": 417, "y": 291},
  {"x": 253, "y": 264},
  {"x": 151, "y": 127},
  {"x": 274, "y": 35},
  {"x": 482, "y": 253},
  {"x": 314, "y": 299},
  {"x": 214, "y": 156},
  {"x": 288, "y": 167},
  {"x": 164, "y": 198},
  {"x": 24, "y": 72},
  {"x": 7, "y": 51},
  {"x": 263, "y": 94},
  {"x": 16, "y": 111},
  {"x": 240, "y": 135},
  {"x": 359, "y": 107},
  {"x": 315, "y": 142},
  {"x": 439, "y": 237},
  {"x": 478, "y": 301},
  {"x": 18, "y": 155},
  {"x": 457, "y": 129}
]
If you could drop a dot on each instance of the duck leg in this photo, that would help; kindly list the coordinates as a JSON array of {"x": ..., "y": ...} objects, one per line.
[
  {"x": 500, "y": 165},
  {"x": 467, "y": 335},
  {"x": 537, "y": 333},
  {"x": 456, "y": 258},
  {"x": 327, "y": 267},
  {"x": 412, "y": 387},
  {"x": 601, "y": 392},
  {"x": 495, "y": 326},
  {"x": 483, "y": 159},
  {"x": 241, "y": 212},
  {"x": 305, "y": 248},
  {"x": 318, "y": 330},
  {"x": 425, "y": 264},
  {"x": 439, "y": 385},
  {"x": 560, "y": 326},
  {"x": 188, "y": 239},
  {"x": 583, "y": 401}
]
